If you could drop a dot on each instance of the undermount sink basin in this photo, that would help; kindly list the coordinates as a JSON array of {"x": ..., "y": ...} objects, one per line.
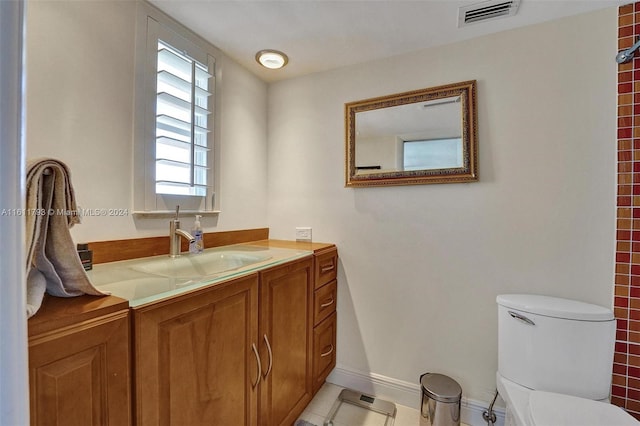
[
  {"x": 138, "y": 288},
  {"x": 200, "y": 265}
]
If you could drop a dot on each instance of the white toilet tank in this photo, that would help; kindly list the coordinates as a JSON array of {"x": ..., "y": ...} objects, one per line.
[{"x": 556, "y": 345}]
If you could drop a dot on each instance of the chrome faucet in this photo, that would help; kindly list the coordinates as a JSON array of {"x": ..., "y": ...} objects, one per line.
[{"x": 174, "y": 235}]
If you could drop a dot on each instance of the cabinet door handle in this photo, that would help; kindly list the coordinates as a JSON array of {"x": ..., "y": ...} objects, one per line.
[
  {"x": 328, "y": 352},
  {"x": 255, "y": 351},
  {"x": 329, "y": 303},
  {"x": 327, "y": 268},
  {"x": 266, "y": 340}
]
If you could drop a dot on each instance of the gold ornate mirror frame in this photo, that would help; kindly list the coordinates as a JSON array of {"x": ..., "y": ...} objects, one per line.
[{"x": 464, "y": 94}]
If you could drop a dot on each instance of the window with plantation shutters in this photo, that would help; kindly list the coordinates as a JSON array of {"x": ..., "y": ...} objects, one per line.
[
  {"x": 182, "y": 117},
  {"x": 174, "y": 146}
]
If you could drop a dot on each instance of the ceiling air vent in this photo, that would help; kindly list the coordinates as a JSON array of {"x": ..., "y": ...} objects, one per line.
[{"x": 486, "y": 10}]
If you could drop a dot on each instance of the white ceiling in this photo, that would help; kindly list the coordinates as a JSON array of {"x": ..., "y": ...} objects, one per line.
[{"x": 320, "y": 35}]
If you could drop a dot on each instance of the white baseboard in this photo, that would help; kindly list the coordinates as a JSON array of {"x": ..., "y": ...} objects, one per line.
[{"x": 406, "y": 393}]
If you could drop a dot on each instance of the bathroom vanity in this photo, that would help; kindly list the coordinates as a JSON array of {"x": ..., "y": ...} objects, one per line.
[{"x": 251, "y": 349}]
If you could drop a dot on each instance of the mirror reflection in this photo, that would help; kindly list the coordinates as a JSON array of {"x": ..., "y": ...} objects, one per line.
[{"x": 424, "y": 136}]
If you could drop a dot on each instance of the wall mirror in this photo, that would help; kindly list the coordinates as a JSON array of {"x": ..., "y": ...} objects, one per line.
[{"x": 418, "y": 137}]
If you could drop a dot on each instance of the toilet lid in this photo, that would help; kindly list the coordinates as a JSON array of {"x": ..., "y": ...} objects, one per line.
[{"x": 553, "y": 409}]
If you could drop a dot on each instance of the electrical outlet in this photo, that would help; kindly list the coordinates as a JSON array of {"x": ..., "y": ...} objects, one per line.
[{"x": 303, "y": 233}]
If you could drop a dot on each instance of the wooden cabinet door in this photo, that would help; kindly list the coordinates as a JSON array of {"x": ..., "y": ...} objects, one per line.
[
  {"x": 79, "y": 375},
  {"x": 194, "y": 357},
  {"x": 286, "y": 321}
]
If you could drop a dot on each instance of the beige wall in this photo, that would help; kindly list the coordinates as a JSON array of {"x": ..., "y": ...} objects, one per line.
[
  {"x": 80, "y": 98},
  {"x": 421, "y": 265}
]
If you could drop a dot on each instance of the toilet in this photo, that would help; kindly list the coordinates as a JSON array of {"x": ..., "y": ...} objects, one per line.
[{"x": 555, "y": 359}]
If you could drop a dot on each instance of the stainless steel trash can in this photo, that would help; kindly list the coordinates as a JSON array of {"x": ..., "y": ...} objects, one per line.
[{"x": 441, "y": 397}]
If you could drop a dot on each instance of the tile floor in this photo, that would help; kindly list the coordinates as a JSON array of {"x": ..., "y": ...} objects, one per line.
[{"x": 349, "y": 415}]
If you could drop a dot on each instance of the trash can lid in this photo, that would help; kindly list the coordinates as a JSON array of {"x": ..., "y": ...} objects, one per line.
[{"x": 440, "y": 387}]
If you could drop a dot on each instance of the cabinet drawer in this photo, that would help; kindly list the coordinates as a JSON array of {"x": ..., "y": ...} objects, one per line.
[
  {"x": 324, "y": 350},
  {"x": 326, "y": 267},
  {"x": 324, "y": 301}
]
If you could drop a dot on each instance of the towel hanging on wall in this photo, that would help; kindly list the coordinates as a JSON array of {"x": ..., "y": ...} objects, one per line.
[{"x": 53, "y": 264}]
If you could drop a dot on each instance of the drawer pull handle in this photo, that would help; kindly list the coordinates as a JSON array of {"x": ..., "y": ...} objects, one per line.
[
  {"x": 328, "y": 352},
  {"x": 266, "y": 340},
  {"x": 325, "y": 269},
  {"x": 255, "y": 351},
  {"x": 326, "y": 304}
]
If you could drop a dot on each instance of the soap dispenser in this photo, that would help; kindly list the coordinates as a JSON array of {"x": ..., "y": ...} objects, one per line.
[{"x": 197, "y": 246}]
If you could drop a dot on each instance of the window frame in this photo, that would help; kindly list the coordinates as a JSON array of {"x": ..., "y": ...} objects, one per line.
[
  {"x": 420, "y": 144},
  {"x": 153, "y": 25}
]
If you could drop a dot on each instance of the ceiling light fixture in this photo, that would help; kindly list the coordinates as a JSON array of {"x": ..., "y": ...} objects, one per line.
[{"x": 272, "y": 59}]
